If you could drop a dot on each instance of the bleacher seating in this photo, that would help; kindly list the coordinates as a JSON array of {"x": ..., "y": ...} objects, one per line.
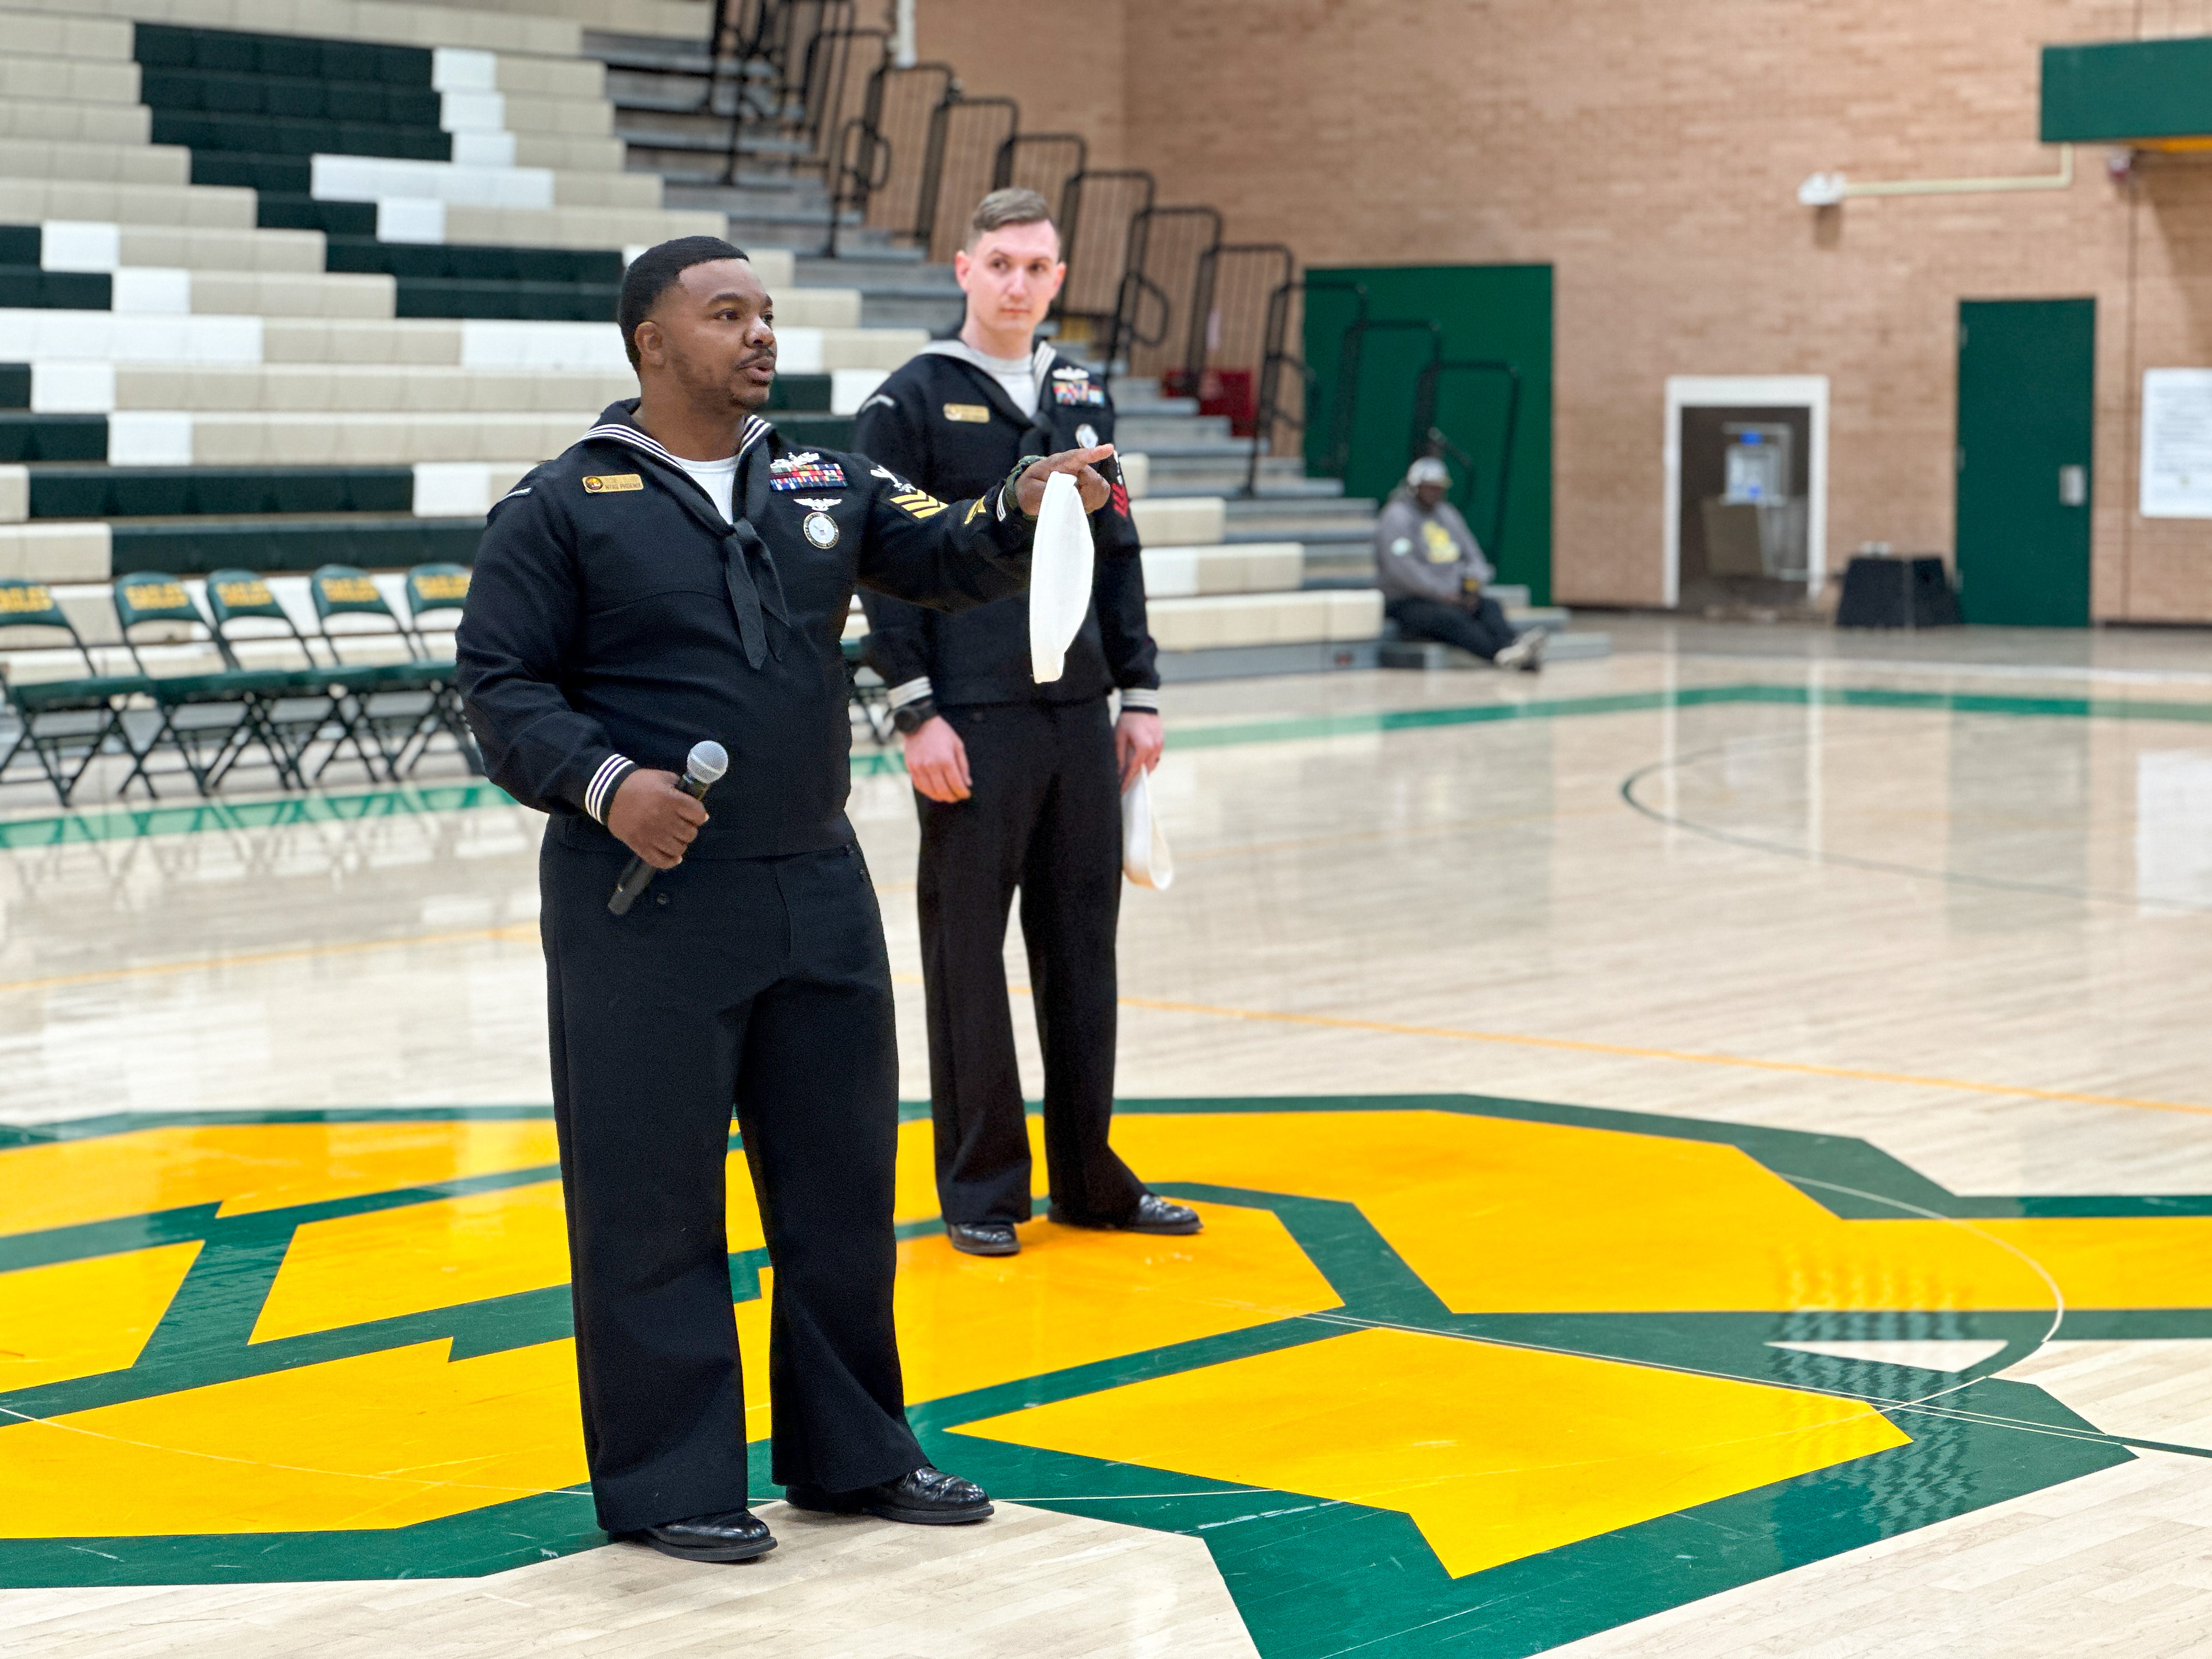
[{"x": 286, "y": 284}]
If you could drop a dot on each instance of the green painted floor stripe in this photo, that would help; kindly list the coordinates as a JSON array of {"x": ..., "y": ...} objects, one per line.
[
  {"x": 120, "y": 823},
  {"x": 130, "y": 824}
]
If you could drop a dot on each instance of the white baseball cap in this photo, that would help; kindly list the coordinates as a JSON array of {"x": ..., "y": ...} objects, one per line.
[{"x": 1428, "y": 471}]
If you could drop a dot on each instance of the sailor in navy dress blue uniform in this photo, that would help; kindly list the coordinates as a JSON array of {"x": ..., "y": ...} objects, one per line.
[{"x": 629, "y": 600}]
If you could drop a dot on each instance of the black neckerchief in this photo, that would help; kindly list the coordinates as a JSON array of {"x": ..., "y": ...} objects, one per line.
[{"x": 742, "y": 545}]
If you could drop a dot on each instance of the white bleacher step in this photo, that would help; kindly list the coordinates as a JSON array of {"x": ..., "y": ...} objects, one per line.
[
  {"x": 1185, "y": 572},
  {"x": 1173, "y": 521},
  {"x": 1216, "y": 621},
  {"x": 320, "y": 388}
]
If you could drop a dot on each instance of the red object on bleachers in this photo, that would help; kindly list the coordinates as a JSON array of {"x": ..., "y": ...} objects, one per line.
[{"x": 1219, "y": 392}]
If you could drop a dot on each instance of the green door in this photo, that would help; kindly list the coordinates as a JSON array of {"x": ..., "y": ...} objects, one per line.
[{"x": 2028, "y": 375}]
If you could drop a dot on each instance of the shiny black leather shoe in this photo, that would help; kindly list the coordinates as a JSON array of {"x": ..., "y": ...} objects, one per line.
[
  {"x": 983, "y": 1237},
  {"x": 1153, "y": 1214},
  {"x": 730, "y": 1535},
  {"x": 928, "y": 1498}
]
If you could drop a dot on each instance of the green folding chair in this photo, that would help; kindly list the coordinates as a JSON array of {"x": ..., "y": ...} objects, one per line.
[
  {"x": 209, "y": 716},
  {"x": 442, "y": 591},
  {"x": 394, "y": 703},
  {"x": 298, "y": 701},
  {"x": 68, "y": 721}
]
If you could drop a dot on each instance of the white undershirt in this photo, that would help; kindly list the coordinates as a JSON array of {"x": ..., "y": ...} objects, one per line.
[
  {"x": 1015, "y": 375},
  {"x": 718, "y": 479}
]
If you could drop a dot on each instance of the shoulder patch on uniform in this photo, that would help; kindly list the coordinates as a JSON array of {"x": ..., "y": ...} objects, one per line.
[
  {"x": 919, "y": 503},
  {"x": 976, "y": 412},
  {"x": 608, "y": 483},
  {"x": 879, "y": 397}
]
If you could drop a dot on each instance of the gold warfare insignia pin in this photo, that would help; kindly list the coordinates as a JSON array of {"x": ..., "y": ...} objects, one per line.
[
  {"x": 977, "y": 412},
  {"x": 821, "y": 530},
  {"x": 607, "y": 484}
]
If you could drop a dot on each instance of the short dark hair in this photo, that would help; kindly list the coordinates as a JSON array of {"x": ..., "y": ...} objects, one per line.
[
  {"x": 654, "y": 271},
  {"x": 1002, "y": 208}
]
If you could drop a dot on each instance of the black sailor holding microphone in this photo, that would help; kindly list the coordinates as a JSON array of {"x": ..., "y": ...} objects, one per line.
[{"x": 680, "y": 576}]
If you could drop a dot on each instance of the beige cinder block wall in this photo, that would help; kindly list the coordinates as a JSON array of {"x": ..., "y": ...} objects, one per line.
[{"x": 1650, "y": 150}]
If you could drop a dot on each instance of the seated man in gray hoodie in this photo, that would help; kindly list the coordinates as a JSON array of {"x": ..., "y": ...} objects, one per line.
[{"x": 1431, "y": 575}]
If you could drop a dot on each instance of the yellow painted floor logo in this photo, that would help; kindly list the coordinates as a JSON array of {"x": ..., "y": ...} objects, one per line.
[{"x": 1538, "y": 1370}]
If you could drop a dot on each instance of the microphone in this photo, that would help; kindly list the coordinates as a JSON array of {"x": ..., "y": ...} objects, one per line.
[{"x": 708, "y": 760}]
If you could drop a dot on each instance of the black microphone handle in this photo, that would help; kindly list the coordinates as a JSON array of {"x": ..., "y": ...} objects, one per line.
[{"x": 637, "y": 875}]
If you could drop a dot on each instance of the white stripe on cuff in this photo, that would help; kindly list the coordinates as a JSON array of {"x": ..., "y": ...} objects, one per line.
[
  {"x": 612, "y": 770},
  {"x": 1143, "y": 699},
  {"x": 913, "y": 692}
]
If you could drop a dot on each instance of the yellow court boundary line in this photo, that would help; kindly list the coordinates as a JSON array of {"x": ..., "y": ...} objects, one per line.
[{"x": 517, "y": 933}]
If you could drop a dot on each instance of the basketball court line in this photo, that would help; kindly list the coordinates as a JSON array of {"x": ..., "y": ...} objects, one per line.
[{"x": 518, "y": 932}]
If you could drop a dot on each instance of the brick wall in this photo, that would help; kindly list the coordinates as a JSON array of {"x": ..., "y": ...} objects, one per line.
[{"x": 1651, "y": 152}]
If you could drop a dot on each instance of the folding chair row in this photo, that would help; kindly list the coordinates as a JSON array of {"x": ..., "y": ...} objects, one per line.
[{"x": 284, "y": 703}]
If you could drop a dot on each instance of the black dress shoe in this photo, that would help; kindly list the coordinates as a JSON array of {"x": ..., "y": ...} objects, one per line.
[
  {"x": 730, "y": 1535},
  {"x": 983, "y": 1237},
  {"x": 1153, "y": 1214},
  {"x": 928, "y": 1498}
]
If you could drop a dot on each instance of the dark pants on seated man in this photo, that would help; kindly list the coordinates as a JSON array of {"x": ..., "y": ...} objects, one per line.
[{"x": 1480, "y": 627}]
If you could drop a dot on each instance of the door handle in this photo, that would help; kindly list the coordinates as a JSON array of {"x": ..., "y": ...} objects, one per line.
[{"x": 2073, "y": 486}]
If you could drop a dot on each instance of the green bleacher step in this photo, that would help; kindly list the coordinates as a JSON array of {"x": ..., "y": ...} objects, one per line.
[
  {"x": 16, "y": 385},
  {"x": 168, "y": 492},
  {"x": 193, "y": 548},
  {"x": 228, "y": 91},
  {"x": 266, "y": 135},
  {"x": 164, "y": 45},
  {"x": 458, "y": 261},
  {"x": 25, "y": 436},
  {"x": 284, "y": 210},
  {"x": 283, "y": 175},
  {"x": 28, "y": 288},
  {"x": 535, "y": 302},
  {"x": 22, "y": 244},
  {"x": 799, "y": 394}
]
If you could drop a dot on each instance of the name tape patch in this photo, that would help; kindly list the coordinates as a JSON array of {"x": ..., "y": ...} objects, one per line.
[
  {"x": 977, "y": 412},
  {"x": 607, "y": 484}
]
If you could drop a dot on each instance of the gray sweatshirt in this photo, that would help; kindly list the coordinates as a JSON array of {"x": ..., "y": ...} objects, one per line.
[{"x": 1426, "y": 555}]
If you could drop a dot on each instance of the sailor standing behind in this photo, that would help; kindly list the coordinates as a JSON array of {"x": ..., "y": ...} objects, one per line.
[{"x": 1018, "y": 784}]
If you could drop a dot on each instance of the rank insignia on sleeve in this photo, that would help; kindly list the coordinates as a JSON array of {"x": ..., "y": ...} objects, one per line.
[
  {"x": 1078, "y": 392},
  {"x": 976, "y": 412},
  {"x": 821, "y": 530},
  {"x": 918, "y": 503},
  {"x": 609, "y": 484},
  {"x": 804, "y": 470},
  {"x": 974, "y": 511}
]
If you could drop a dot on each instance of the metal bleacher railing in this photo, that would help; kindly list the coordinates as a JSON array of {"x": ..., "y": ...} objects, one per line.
[{"x": 1153, "y": 290}]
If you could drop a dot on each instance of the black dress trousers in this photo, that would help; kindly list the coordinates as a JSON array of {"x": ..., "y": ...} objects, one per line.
[
  {"x": 1044, "y": 816},
  {"x": 757, "y": 985}
]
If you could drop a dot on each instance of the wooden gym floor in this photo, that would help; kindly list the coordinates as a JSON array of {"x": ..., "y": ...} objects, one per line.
[{"x": 1705, "y": 1152}]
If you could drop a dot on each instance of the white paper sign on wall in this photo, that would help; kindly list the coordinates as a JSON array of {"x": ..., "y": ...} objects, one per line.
[{"x": 2177, "y": 443}]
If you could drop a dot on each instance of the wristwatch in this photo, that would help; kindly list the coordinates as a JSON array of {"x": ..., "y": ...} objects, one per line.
[{"x": 910, "y": 718}]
